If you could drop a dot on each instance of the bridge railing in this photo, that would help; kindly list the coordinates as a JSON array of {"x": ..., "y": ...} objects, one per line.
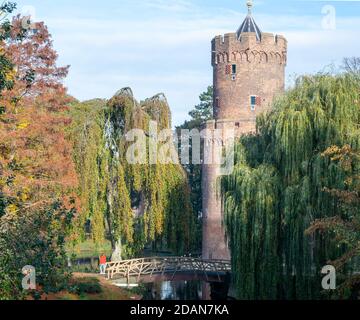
[{"x": 165, "y": 265}]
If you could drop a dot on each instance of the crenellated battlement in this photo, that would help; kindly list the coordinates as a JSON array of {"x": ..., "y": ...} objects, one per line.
[{"x": 228, "y": 48}]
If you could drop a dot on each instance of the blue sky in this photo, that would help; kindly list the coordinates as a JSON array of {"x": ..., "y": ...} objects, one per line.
[{"x": 164, "y": 45}]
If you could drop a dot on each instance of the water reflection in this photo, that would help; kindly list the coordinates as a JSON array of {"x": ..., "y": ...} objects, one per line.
[{"x": 173, "y": 290}]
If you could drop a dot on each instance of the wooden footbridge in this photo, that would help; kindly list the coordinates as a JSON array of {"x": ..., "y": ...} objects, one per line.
[{"x": 168, "y": 268}]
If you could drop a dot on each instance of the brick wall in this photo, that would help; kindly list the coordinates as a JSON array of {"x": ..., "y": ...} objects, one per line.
[{"x": 260, "y": 71}]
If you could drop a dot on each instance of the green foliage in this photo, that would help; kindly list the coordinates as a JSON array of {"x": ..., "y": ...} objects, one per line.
[
  {"x": 135, "y": 204},
  {"x": 89, "y": 286},
  {"x": 344, "y": 228},
  {"x": 200, "y": 114},
  {"x": 204, "y": 110},
  {"x": 36, "y": 238},
  {"x": 278, "y": 188},
  {"x": 7, "y": 73},
  {"x": 90, "y": 159}
]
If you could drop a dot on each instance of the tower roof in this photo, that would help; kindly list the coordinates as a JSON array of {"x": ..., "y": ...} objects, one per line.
[{"x": 249, "y": 24}]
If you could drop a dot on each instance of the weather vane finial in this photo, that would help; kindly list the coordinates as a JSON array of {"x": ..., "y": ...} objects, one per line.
[{"x": 249, "y": 4}]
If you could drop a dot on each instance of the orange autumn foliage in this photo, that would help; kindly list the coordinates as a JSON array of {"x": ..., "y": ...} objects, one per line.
[{"x": 36, "y": 164}]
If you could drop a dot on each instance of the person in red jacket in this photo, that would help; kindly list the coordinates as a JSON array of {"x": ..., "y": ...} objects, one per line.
[{"x": 102, "y": 263}]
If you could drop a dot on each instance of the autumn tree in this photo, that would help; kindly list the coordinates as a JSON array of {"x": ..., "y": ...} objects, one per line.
[
  {"x": 37, "y": 174},
  {"x": 36, "y": 157}
]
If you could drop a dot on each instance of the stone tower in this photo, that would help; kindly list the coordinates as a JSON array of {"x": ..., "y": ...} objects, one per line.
[{"x": 249, "y": 71}]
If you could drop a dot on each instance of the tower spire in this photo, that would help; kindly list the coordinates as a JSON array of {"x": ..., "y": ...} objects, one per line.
[
  {"x": 249, "y": 24},
  {"x": 249, "y": 4}
]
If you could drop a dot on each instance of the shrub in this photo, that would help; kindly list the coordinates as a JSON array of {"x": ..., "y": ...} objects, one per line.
[{"x": 89, "y": 286}]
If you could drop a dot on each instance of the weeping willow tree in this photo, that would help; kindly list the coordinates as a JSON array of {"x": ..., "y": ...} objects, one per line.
[
  {"x": 132, "y": 204},
  {"x": 279, "y": 188}
]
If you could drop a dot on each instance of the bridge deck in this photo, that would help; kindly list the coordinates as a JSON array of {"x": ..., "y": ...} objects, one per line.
[{"x": 169, "y": 267}]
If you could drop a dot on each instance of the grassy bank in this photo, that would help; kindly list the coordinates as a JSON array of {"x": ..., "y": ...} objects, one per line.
[
  {"x": 89, "y": 249},
  {"x": 91, "y": 287}
]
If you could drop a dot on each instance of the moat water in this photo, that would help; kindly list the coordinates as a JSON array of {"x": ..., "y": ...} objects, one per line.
[{"x": 173, "y": 290}]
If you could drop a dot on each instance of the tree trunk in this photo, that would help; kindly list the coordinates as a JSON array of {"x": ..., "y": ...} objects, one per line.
[{"x": 116, "y": 255}]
